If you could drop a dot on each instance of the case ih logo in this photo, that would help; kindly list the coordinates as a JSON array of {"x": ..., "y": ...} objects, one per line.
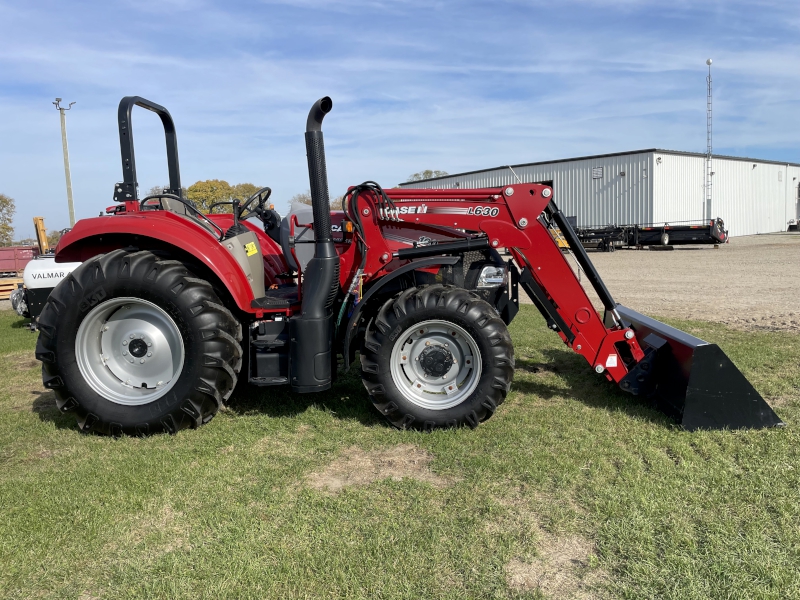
[
  {"x": 414, "y": 210},
  {"x": 486, "y": 211}
]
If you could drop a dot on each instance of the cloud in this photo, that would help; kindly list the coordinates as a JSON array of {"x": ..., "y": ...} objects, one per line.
[{"x": 444, "y": 85}]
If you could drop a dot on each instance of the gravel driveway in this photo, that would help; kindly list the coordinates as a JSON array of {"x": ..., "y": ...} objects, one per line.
[{"x": 751, "y": 283}]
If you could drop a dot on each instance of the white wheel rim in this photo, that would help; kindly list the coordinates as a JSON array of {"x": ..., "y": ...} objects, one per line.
[
  {"x": 129, "y": 351},
  {"x": 419, "y": 381}
]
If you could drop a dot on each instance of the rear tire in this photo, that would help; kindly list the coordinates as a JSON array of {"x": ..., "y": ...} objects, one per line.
[
  {"x": 135, "y": 344},
  {"x": 435, "y": 357}
]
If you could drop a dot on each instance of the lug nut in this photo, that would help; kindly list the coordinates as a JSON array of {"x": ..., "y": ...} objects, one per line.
[
  {"x": 149, "y": 354},
  {"x": 124, "y": 342},
  {"x": 124, "y": 353},
  {"x": 141, "y": 362},
  {"x": 132, "y": 336}
]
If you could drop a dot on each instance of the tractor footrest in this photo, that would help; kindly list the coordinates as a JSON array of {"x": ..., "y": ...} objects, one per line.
[
  {"x": 283, "y": 297},
  {"x": 269, "y": 380}
]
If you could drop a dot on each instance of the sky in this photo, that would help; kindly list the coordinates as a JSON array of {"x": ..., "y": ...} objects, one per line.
[{"x": 453, "y": 86}]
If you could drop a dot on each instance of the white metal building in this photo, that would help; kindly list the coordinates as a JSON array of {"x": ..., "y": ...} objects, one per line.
[{"x": 655, "y": 186}]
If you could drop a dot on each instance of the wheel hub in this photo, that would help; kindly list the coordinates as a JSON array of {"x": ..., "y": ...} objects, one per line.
[
  {"x": 137, "y": 347},
  {"x": 435, "y": 360},
  {"x": 129, "y": 351},
  {"x": 436, "y": 364}
]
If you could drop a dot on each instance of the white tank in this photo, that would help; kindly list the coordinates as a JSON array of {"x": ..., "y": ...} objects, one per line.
[{"x": 45, "y": 272}]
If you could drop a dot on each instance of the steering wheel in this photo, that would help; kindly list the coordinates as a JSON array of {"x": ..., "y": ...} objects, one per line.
[
  {"x": 260, "y": 197},
  {"x": 247, "y": 204}
]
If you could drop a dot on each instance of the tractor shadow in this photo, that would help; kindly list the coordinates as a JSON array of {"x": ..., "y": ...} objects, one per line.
[
  {"x": 582, "y": 384},
  {"x": 346, "y": 400},
  {"x": 44, "y": 406},
  {"x": 21, "y": 324}
]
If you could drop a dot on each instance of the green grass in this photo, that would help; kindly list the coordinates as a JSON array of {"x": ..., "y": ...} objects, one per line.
[{"x": 226, "y": 512}]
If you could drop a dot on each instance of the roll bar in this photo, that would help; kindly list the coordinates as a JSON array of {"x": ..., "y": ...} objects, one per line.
[{"x": 128, "y": 188}]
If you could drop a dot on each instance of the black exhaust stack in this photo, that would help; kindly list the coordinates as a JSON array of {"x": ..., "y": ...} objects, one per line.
[{"x": 312, "y": 331}]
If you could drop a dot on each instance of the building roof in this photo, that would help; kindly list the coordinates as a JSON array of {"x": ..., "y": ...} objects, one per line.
[{"x": 646, "y": 151}]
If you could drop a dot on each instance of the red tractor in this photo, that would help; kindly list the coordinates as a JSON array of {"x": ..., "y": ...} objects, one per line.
[{"x": 171, "y": 307}]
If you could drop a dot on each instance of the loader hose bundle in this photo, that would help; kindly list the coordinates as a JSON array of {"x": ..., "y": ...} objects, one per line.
[{"x": 350, "y": 207}]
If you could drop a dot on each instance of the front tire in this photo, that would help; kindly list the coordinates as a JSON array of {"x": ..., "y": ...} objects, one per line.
[
  {"x": 435, "y": 357},
  {"x": 136, "y": 344}
]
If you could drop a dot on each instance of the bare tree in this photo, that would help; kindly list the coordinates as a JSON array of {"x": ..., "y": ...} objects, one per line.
[
  {"x": 426, "y": 174},
  {"x": 305, "y": 198}
]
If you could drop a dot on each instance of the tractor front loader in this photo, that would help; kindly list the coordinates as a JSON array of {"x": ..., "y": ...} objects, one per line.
[{"x": 171, "y": 307}]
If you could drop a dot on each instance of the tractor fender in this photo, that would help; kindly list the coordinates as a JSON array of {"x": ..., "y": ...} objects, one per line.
[
  {"x": 352, "y": 323},
  {"x": 157, "y": 230}
]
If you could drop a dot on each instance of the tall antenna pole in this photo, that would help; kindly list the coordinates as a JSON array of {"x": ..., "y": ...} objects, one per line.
[
  {"x": 709, "y": 172},
  {"x": 62, "y": 110}
]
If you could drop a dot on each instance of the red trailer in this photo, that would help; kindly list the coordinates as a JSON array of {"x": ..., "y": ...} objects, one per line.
[{"x": 14, "y": 258}]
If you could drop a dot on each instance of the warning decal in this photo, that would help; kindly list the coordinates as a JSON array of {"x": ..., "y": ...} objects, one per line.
[{"x": 250, "y": 248}]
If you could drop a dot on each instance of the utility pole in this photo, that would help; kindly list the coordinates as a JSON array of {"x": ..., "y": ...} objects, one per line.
[
  {"x": 709, "y": 172},
  {"x": 62, "y": 110}
]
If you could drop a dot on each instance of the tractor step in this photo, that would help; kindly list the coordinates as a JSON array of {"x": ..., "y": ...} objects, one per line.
[
  {"x": 268, "y": 380},
  {"x": 278, "y": 298}
]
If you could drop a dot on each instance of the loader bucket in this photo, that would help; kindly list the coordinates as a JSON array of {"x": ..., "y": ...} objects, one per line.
[{"x": 692, "y": 380}]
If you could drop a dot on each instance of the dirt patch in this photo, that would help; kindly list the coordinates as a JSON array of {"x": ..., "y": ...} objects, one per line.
[
  {"x": 23, "y": 361},
  {"x": 158, "y": 524},
  {"x": 749, "y": 284},
  {"x": 560, "y": 565},
  {"x": 357, "y": 467},
  {"x": 563, "y": 570}
]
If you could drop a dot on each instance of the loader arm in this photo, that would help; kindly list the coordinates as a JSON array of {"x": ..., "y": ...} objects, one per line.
[
  {"x": 510, "y": 218},
  {"x": 683, "y": 375}
]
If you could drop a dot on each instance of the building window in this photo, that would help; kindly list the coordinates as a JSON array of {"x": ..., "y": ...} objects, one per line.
[{"x": 597, "y": 172}]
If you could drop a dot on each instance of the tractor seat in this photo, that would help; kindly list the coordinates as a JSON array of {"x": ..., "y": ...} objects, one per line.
[{"x": 283, "y": 297}]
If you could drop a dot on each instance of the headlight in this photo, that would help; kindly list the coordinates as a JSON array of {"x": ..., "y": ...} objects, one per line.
[{"x": 492, "y": 276}]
